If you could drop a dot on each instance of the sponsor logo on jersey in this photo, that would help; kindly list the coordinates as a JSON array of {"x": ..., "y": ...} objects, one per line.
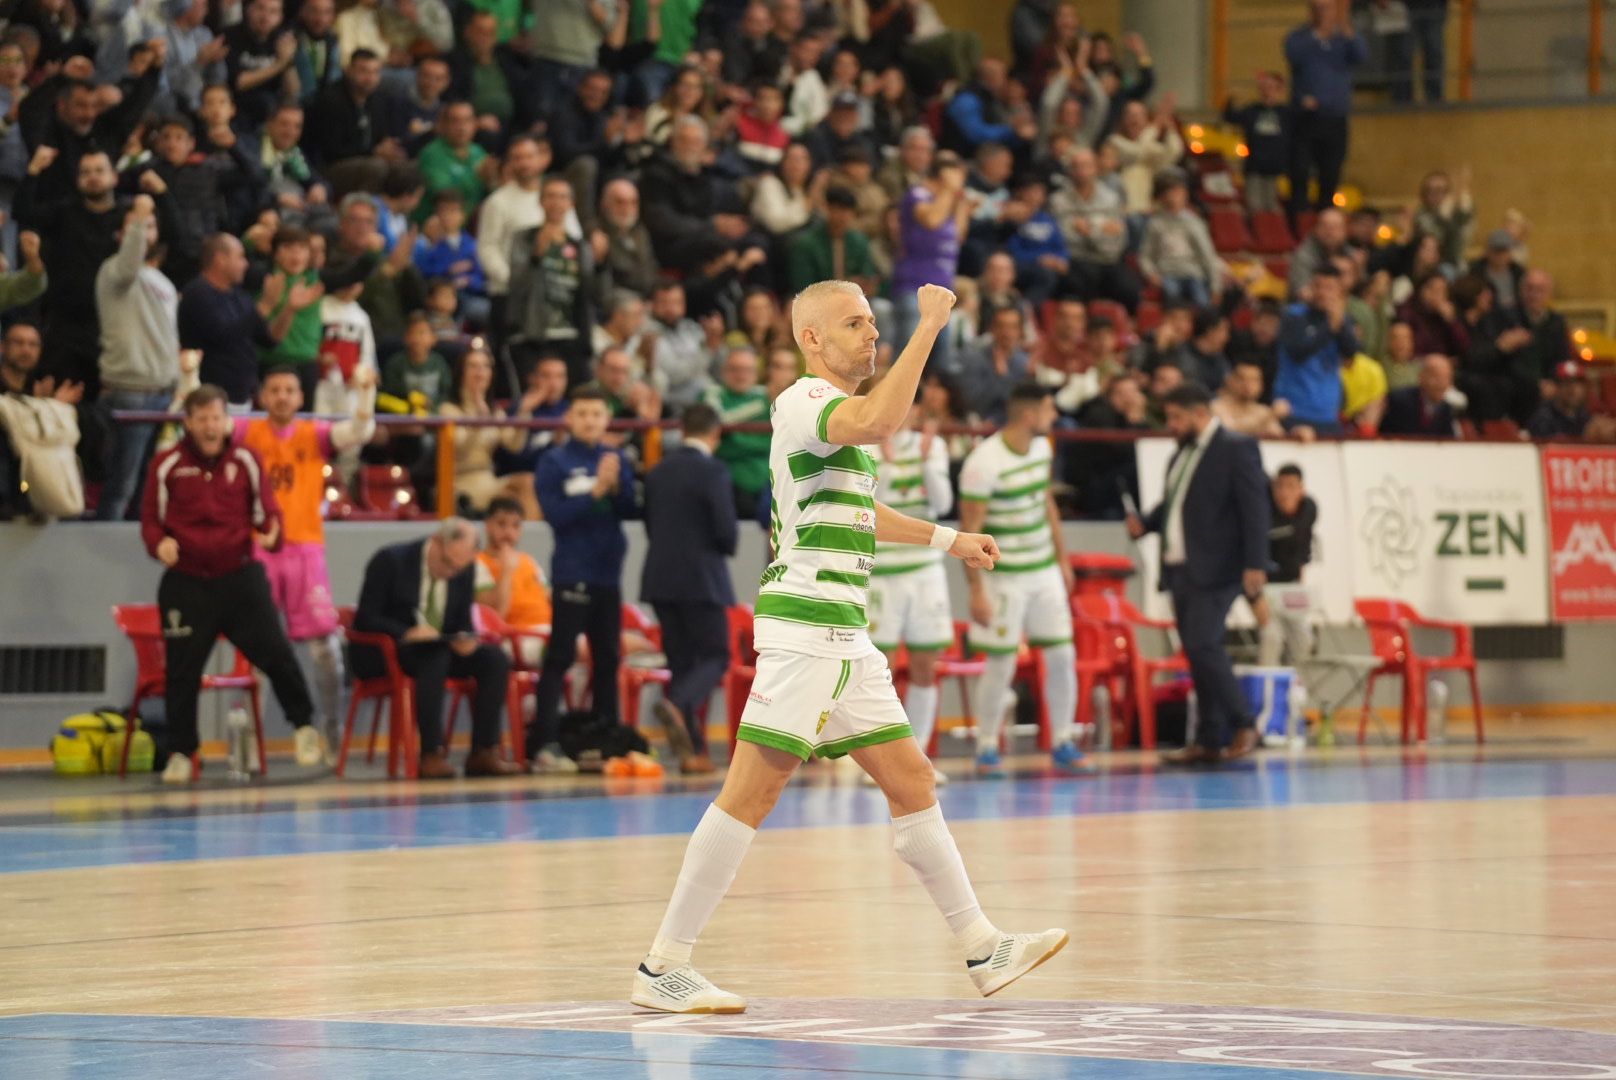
[
  {"x": 761, "y": 699},
  {"x": 819, "y": 391},
  {"x": 864, "y": 521}
]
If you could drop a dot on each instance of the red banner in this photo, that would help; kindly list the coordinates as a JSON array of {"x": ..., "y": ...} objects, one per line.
[{"x": 1579, "y": 487}]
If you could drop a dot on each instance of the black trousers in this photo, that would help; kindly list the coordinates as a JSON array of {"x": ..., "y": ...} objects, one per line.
[
  {"x": 595, "y": 612},
  {"x": 1318, "y": 148},
  {"x": 1101, "y": 281},
  {"x": 695, "y": 639},
  {"x": 1201, "y": 614},
  {"x": 430, "y": 663},
  {"x": 195, "y": 612}
]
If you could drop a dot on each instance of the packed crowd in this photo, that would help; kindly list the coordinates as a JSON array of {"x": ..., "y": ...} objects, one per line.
[{"x": 488, "y": 204}]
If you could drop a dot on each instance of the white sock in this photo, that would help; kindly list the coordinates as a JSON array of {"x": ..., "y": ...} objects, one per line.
[
  {"x": 1060, "y": 691},
  {"x": 713, "y": 855},
  {"x": 923, "y": 842},
  {"x": 995, "y": 685},
  {"x": 326, "y": 658},
  {"x": 920, "y": 705}
]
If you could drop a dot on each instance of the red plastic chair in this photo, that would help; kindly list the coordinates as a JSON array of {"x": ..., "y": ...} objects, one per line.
[
  {"x": 394, "y": 690},
  {"x": 1391, "y": 625},
  {"x": 1270, "y": 234},
  {"x": 386, "y": 490},
  {"x": 142, "y": 625},
  {"x": 742, "y": 667},
  {"x": 632, "y": 680},
  {"x": 1228, "y": 228},
  {"x": 959, "y": 663},
  {"x": 1139, "y": 671},
  {"x": 1101, "y": 659}
]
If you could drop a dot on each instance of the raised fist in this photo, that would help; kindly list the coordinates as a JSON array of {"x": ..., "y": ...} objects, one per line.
[{"x": 936, "y": 305}]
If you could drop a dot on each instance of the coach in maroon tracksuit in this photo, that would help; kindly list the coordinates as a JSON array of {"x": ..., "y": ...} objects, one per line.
[{"x": 204, "y": 504}]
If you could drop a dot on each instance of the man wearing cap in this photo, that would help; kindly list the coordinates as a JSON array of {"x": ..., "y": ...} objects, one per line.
[
  {"x": 839, "y": 131},
  {"x": 1564, "y": 413},
  {"x": 1499, "y": 268}
]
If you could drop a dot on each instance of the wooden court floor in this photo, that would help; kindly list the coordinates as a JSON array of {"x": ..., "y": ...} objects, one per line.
[{"x": 1449, "y": 883}]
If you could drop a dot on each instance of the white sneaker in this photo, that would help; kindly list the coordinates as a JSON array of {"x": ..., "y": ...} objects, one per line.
[
  {"x": 181, "y": 770},
  {"x": 1013, "y": 957},
  {"x": 311, "y": 747},
  {"x": 549, "y": 761},
  {"x": 682, "y": 990}
]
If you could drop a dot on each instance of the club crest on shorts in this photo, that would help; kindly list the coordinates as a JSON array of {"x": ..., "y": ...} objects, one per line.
[{"x": 824, "y": 717}]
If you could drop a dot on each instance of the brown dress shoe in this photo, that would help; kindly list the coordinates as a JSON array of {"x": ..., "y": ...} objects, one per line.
[
  {"x": 1242, "y": 745},
  {"x": 435, "y": 765},
  {"x": 487, "y": 762},
  {"x": 672, "y": 720},
  {"x": 697, "y": 765},
  {"x": 1190, "y": 755}
]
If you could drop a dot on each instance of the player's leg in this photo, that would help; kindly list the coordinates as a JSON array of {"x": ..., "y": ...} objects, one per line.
[
  {"x": 994, "y": 959},
  {"x": 999, "y": 642},
  {"x": 928, "y": 629},
  {"x": 304, "y": 594},
  {"x": 250, "y": 623},
  {"x": 1049, "y": 628}
]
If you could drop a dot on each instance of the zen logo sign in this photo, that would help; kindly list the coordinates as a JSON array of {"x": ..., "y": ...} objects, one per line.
[{"x": 1458, "y": 535}]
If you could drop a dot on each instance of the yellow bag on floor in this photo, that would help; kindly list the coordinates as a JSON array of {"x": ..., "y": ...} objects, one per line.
[{"x": 91, "y": 743}]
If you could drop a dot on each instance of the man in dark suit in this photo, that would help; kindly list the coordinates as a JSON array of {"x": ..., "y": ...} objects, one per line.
[
  {"x": 690, "y": 520},
  {"x": 1422, "y": 410},
  {"x": 420, "y": 595},
  {"x": 1213, "y": 523}
]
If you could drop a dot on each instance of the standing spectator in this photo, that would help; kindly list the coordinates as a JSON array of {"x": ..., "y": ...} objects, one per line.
[
  {"x": 318, "y": 60},
  {"x": 219, "y": 318},
  {"x": 751, "y": 51},
  {"x": 294, "y": 454},
  {"x": 554, "y": 288},
  {"x": 260, "y": 58},
  {"x": 565, "y": 39},
  {"x": 1093, "y": 219},
  {"x": 30, "y": 426},
  {"x": 1239, "y": 406},
  {"x": 630, "y": 260},
  {"x": 1447, "y": 211},
  {"x": 691, "y": 526},
  {"x": 1521, "y": 347},
  {"x": 1320, "y": 248},
  {"x": 66, "y": 113},
  {"x": 686, "y": 350},
  {"x": 739, "y": 399},
  {"x": 932, "y": 221},
  {"x": 1315, "y": 339},
  {"x": 513, "y": 207},
  {"x": 831, "y": 248},
  {"x": 1563, "y": 414},
  {"x": 491, "y": 76},
  {"x": 1145, "y": 145},
  {"x": 206, "y": 504},
  {"x": 1424, "y": 409},
  {"x": 990, "y": 370},
  {"x": 587, "y": 135},
  {"x": 1213, "y": 523},
  {"x": 1177, "y": 254},
  {"x": 454, "y": 160},
  {"x": 587, "y": 491},
  {"x": 140, "y": 348},
  {"x": 1268, "y": 126},
  {"x": 1427, "y": 29},
  {"x": 1321, "y": 56},
  {"x": 510, "y": 581},
  {"x": 420, "y": 594}
]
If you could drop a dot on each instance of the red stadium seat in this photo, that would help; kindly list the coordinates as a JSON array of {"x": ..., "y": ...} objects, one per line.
[
  {"x": 1391, "y": 625},
  {"x": 1118, "y": 315},
  {"x": 1228, "y": 227},
  {"x": 1138, "y": 671},
  {"x": 1305, "y": 222},
  {"x": 742, "y": 667},
  {"x": 633, "y": 680},
  {"x": 1270, "y": 235},
  {"x": 386, "y": 490},
  {"x": 142, "y": 625}
]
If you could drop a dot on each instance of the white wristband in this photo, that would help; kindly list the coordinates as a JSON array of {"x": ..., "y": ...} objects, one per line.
[{"x": 942, "y": 538}]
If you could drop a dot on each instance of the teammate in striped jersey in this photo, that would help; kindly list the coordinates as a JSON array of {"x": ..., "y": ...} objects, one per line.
[
  {"x": 1004, "y": 486},
  {"x": 908, "y": 588},
  {"x": 822, "y": 689}
]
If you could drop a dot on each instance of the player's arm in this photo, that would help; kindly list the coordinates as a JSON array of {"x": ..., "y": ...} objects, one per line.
[
  {"x": 1058, "y": 541},
  {"x": 973, "y": 549},
  {"x": 357, "y": 429},
  {"x": 880, "y": 414},
  {"x": 973, "y": 513}
]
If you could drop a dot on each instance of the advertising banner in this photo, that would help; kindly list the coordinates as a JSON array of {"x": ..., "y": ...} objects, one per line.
[{"x": 1579, "y": 490}]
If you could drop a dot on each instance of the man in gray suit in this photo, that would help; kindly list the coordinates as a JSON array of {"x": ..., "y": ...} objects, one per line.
[{"x": 690, "y": 521}]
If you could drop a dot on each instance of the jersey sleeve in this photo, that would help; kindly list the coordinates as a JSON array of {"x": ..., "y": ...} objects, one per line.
[
  {"x": 803, "y": 415},
  {"x": 977, "y": 477}
]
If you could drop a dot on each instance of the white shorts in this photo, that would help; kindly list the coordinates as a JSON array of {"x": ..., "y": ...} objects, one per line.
[
  {"x": 1032, "y": 606},
  {"x": 911, "y": 609},
  {"x": 811, "y": 706}
]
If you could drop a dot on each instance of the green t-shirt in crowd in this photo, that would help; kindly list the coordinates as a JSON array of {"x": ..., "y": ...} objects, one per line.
[
  {"x": 301, "y": 345},
  {"x": 745, "y": 452},
  {"x": 444, "y": 169},
  {"x": 491, "y": 92},
  {"x": 510, "y": 16},
  {"x": 678, "y": 28},
  {"x": 431, "y": 378}
]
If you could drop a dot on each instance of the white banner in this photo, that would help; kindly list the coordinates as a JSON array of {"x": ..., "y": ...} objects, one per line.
[
  {"x": 1330, "y": 572},
  {"x": 1457, "y": 532}
]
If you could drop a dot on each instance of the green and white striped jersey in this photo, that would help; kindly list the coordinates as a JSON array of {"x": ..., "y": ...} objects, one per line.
[
  {"x": 1015, "y": 488},
  {"x": 913, "y": 483},
  {"x": 811, "y": 598}
]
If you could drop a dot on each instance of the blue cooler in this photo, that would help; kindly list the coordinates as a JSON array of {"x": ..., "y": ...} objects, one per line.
[{"x": 1270, "y": 691}]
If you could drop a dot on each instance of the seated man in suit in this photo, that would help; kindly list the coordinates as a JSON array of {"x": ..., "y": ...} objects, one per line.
[
  {"x": 1424, "y": 409},
  {"x": 420, "y": 595},
  {"x": 691, "y": 524}
]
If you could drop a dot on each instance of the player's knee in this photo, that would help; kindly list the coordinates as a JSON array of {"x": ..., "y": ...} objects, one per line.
[{"x": 923, "y": 669}]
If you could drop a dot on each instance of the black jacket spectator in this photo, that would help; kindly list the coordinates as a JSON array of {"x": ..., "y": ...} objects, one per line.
[
  {"x": 1102, "y": 471},
  {"x": 679, "y": 208},
  {"x": 344, "y": 122},
  {"x": 1408, "y": 413},
  {"x": 1290, "y": 540},
  {"x": 1510, "y": 380},
  {"x": 61, "y": 113},
  {"x": 1267, "y": 130}
]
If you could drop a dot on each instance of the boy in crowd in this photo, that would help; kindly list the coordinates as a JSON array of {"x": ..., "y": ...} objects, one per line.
[
  {"x": 509, "y": 579},
  {"x": 1177, "y": 252}
]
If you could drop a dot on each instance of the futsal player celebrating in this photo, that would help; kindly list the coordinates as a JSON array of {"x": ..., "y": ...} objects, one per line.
[
  {"x": 1004, "y": 487},
  {"x": 908, "y": 588},
  {"x": 295, "y": 453},
  {"x": 822, "y": 689}
]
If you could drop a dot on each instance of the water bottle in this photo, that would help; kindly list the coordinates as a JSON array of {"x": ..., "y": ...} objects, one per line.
[
  {"x": 241, "y": 749},
  {"x": 1436, "y": 711},
  {"x": 1100, "y": 700}
]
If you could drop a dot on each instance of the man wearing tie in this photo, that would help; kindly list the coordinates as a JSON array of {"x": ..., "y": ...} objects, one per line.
[
  {"x": 419, "y": 594},
  {"x": 1213, "y": 523},
  {"x": 690, "y": 521}
]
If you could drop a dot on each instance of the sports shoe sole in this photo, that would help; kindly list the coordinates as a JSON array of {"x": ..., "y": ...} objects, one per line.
[
  {"x": 725, "y": 1010},
  {"x": 1059, "y": 945}
]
